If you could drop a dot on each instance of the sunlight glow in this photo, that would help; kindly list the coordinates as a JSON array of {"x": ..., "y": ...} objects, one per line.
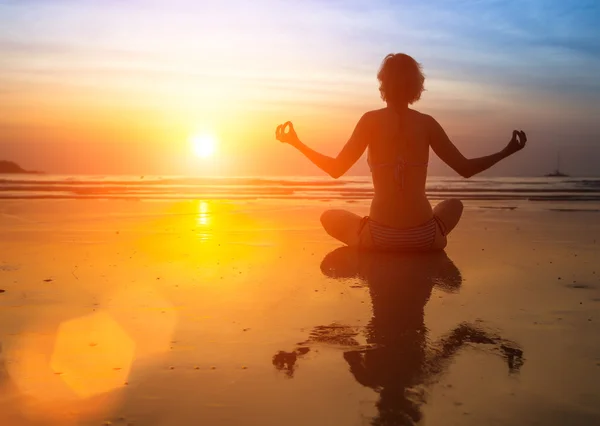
[
  {"x": 204, "y": 146},
  {"x": 203, "y": 221}
]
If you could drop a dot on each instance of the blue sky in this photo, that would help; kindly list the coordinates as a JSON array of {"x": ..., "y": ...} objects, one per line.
[{"x": 490, "y": 65}]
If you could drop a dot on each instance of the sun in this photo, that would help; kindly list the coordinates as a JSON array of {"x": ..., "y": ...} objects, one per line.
[{"x": 204, "y": 146}]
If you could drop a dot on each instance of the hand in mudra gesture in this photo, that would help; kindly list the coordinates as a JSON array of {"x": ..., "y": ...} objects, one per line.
[
  {"x": 517, "y": 142},
  {"x": 290, "y": 137}
]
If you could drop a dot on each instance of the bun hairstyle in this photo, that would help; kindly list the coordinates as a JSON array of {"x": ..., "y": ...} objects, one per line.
[{"x": 400, "y": 79}]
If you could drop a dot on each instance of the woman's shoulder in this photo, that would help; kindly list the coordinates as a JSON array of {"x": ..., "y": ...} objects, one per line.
[
  {"x": 387, "y": 111},
  {"x": 383, "y": 115},
  {"x": 419, "y": 113},
  {"x": 425, "y": 117},
  {"x": 371, "y": 118},
  {"x": 374, "y": 113},
  {"x": 375, "y": 117}
]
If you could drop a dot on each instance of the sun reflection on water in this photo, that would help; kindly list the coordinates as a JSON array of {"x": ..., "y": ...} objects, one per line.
[{"x": 203, "y": 221}]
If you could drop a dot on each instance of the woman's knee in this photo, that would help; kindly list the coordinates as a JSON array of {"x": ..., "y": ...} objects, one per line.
[
  {"x": 456, "y": 206},
  {"x": 341, "y": 224},
  {"x": 327, "y": 218},
  {"x": 449, "y": 212},
  {"x": 330, "y": 220},
  {"x": 451, "y": 206}
]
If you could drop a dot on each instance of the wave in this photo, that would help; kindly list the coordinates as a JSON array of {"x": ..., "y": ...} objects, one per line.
[{"x": 294, "y": 187}]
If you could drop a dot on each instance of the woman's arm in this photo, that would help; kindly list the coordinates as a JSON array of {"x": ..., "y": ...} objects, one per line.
[
  {"x": 334, "y": 167},
  {"x": 467, "y": 167}
]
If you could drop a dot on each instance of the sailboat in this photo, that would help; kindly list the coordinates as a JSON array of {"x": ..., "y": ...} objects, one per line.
[{"x": 557, "y": 172}]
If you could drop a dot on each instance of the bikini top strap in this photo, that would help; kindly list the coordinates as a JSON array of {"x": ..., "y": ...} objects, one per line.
[{"x": 401, "y": 163}]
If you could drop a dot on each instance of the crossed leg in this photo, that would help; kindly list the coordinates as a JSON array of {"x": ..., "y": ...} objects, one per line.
[
  {"x": 448, "y": 212},
  {"x": 345, "y": 226},
  {"x": 342, "y": 225}
]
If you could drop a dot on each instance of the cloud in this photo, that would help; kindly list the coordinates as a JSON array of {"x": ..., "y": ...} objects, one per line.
[{"x": 497, "y": 60}]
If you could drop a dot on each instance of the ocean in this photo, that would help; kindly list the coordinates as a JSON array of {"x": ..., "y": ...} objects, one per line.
[{"x": 297, "y": 187}]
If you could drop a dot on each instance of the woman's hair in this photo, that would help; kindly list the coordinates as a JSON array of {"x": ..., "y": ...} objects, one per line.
[{"x": 400, "y": 79}]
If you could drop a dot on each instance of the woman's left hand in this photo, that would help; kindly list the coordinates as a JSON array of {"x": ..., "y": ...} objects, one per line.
[
  {"x": 517, "y": 142},
  {"x": 290, "y": 137}
]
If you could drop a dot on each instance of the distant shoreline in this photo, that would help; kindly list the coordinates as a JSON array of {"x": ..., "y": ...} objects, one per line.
[
  {"x": 26, "y": 172},
  {"x": 10, "y": 167}
]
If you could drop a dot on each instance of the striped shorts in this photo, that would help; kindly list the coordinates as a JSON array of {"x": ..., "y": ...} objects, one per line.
[{"x": 408, "y": 239}]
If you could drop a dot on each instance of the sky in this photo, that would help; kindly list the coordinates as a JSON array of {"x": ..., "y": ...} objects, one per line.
[{"x": 120, "y": 86}]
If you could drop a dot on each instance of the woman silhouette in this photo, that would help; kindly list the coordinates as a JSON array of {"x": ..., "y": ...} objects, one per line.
[{"x": 398, "y": 138}]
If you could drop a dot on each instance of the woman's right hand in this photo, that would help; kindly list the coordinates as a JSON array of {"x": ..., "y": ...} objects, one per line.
[
  {"x": 517, "y": 143},
  {"x": 290, "y": 137}
]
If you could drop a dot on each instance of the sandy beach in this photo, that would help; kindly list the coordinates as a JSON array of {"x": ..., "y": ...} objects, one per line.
[
  {"x": 246, "y": 313},
  {"x": 165, "y": 259}
]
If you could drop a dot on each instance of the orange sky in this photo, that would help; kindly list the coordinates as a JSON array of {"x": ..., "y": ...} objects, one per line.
[{"x": 121, "y": 88}]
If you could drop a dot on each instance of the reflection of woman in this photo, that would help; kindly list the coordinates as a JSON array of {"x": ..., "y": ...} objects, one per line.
[
  {"x": 398, "y": 362},
  {"x": 398, "y": 139}
]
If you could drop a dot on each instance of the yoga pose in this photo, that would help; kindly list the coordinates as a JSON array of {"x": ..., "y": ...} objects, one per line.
[{"x": 398, "y": 138}]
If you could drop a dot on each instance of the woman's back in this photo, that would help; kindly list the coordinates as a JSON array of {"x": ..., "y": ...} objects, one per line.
[
  {"x": 398, "y": 157},
  {"x": 398, "y": 141}
]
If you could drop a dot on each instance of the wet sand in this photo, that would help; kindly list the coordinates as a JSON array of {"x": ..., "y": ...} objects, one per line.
[{"x": 247, "y": 313}]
